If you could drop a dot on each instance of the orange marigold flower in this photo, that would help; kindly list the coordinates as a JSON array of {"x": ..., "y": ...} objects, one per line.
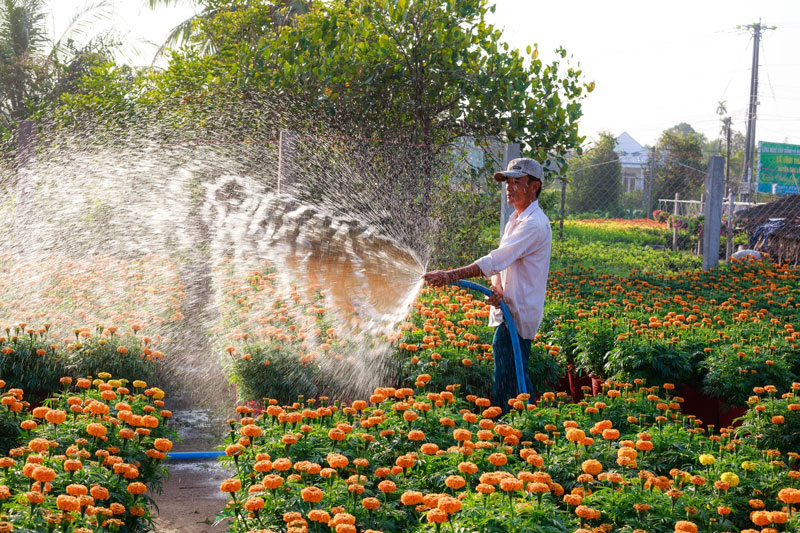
[
  {"x": 454, "y": 482},
  {"x": 370, "y": 503},
  {"x": 56, "y": 416},
  {"x": 387, "y": 486},
  {"x": 611, "y": 434},
  {"x": 311, "y": 494},
  {"x": 436, "y": 516},
  {"x": 405, "y": 461},
  {"x": 411, "y": 497},
  {"x": 575, "y": 435},
  {"x": 99, "y": 492},
  {"x": 68, "y": 503},
  {"x": 231, "y": 485},
  {"x": 429, "y": 448},
  {"x": 684, "y": 526},
  {"x": 96, "y": 430},
  {"x": 271, "y": 481},
  {"x": 416, "y": 435},
  {"x": 587, "y": 513},
  {"x": 498, "y": 459},
  {"x": 592, "y": 466},
  {"x": 39, "y": 445},
  {"x": 462, "y": 435},
  {"x": 467, "y": 467},
  {"x": 337, "y": 460},
  {"x": 319, "y": 515},
  {"x": 42, "y": 474},
  {"x": 76, "y": 489},
  {"x": 139, "y": 488},
  {"x": 282, "y": 464},
  {"x": 250, "y": 430},
  {"x": 448, "y": 504},
  {"x": 484, "y": 488},
  {"x": 72, "y": 465},
  {"x": 336, "y": 434}
]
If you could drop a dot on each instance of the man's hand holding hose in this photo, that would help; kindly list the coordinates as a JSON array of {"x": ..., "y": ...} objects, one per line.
[{"x": 496, "y": 297}]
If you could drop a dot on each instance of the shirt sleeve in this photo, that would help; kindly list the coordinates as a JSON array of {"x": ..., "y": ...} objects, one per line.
[{"x": 516, "y": 245}]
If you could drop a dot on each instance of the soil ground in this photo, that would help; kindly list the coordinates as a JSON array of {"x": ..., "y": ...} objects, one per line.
[{"x": 190, "y": 499}]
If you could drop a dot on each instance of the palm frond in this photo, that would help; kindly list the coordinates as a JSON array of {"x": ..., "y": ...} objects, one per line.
[
  {"x": 185, "y": 34},
  {"x": 154, "y": 4},
  {"x": 82, "y": 22}
]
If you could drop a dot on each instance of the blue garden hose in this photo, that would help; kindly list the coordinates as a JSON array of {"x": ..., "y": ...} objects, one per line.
[
  {"x": 512, "y": 330},
  {"x": 194, "y": 456}
]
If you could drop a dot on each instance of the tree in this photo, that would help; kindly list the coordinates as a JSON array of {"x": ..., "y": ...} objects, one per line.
[
  {"x": 680, "y": 165},
  {"x": 422, "y": 72},
  {"x": 595, "y": 178},
  {"x": 429, "y": 70},
  {"x": 31, "y": 62}
]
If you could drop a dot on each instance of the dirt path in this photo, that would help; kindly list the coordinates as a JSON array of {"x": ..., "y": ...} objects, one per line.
[{"x": 190, "y": 500}]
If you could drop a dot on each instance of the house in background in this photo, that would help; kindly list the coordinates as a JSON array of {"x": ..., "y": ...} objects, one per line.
[{"x": 633, "y": 158}]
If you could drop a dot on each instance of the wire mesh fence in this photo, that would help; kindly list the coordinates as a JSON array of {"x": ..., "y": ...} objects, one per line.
[
  {"x": 671, "y": 190},
  {"x": 662, "y": 194}
]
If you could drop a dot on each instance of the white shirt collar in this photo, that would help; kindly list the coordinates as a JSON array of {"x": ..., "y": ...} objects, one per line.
[{"x": 527, "y": 212}]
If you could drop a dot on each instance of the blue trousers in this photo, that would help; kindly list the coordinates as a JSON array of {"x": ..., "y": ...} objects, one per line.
[{"x": 505, "y": 373}]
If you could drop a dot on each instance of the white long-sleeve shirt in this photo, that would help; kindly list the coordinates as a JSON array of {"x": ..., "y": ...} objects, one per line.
[{"x": 523, "y": 262}]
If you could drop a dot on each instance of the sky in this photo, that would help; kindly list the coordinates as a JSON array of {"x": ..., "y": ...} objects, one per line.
[{"x": 655, "y": 64}]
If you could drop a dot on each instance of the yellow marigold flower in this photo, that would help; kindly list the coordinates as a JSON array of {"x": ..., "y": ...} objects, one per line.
[
  {"x": 707, "y": 459},
  {"x": 730, "y": 478}
]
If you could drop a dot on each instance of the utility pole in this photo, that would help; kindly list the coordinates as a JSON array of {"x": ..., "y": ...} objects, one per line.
[
  {"x": 722, "y": 110},
  {"x": 728, "y": 155},
  {"x": 750, "y": 136}
]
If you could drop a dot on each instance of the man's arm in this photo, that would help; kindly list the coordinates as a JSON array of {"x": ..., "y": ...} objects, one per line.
[{"x": 439, "y": 278}]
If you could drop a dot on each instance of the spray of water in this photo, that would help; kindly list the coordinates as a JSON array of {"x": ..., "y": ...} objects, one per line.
[{"x": 215, "y": 239}]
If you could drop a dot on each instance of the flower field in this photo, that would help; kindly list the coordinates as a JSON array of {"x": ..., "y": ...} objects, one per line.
[
  {"x": 422, "y": 459},
  {"x": 640, "y": 366},
  {"x": 430, "y": 453},
  {"x": 86, "y": 459}
]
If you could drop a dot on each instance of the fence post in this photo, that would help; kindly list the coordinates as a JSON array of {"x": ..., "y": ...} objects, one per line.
[
  {"x": 675, "y": 212},
  {"x": 647, "y": 189},
  {"x": 26, "y": 142},
  {"x": 512, "y": 151},
  {"x": 731, "y": 221},
  {"x": 563, "y": 208},
  {"x": 287, "y": 155},
  {"x": 712, "y": 211}
]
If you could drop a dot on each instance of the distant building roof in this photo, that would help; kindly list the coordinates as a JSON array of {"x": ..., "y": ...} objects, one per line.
[{"x": 630, "y": 152}]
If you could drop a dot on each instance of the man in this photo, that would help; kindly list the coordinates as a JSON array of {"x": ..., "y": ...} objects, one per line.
[{"x": 518, "y": 269}]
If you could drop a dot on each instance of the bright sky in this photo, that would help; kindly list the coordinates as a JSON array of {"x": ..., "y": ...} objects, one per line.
[{"x": 655, "y": 64}]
